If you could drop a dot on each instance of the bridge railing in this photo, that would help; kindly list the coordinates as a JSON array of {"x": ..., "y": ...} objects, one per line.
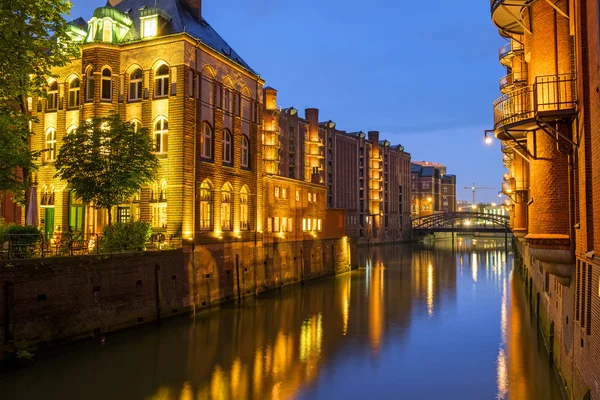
[{"x": 462, "y": 220}]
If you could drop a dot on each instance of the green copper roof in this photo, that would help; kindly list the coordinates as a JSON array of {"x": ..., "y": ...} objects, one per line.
[{"x": 112, "y": 13}]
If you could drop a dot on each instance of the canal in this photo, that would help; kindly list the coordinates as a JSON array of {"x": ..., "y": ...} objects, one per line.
[{"x": 413, "y": 322}]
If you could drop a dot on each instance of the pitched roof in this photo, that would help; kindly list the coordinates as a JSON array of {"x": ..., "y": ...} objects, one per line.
[{"x": 181, "y": 20}]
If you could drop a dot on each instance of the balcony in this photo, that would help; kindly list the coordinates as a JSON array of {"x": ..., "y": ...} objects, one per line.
[
  {"x": 550, "y": 98},
  {"x": 508, "y": 51},
  {"x": 513, "y": 80},
  {"x": 507, "y": 15}
]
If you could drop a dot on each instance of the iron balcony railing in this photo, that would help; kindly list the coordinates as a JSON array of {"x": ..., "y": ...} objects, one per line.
[
  {"x": 549, "y": 94},
  {"x": 509, "y": 49},
  {"x": 513, "y": 78}
]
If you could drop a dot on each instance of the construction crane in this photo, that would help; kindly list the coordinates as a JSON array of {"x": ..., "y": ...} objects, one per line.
[{"x": 476, "y": 188}]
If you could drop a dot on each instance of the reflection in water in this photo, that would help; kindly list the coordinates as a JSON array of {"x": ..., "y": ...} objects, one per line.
[{"x": 406, "y": 324}]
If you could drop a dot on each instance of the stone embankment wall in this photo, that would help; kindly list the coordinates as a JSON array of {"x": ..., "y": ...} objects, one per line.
[{"x": 61, "y": 299}]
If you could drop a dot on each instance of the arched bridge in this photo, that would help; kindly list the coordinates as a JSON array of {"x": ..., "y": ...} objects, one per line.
[{"x": 461, "y": 222}]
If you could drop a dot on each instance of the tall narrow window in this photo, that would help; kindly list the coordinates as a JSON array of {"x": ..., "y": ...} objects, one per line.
[
  {"x": 227, "y": 147},
  {"x": 89, "y": 85},
  {"x": 106, "y": 91},
  {"x": 135, "y": 85},
  {"x": 244, "y": 208},
  {"x": 53, "y": 97},
  {"x": 227, "y": 100},
  {"x": 149, "y": 28},
  {"x": 205, "y": 205},
  {"x": 163, "y": 191},
  {"x": 161, "y": 81},
  {"x": 107, "y": 31},
  {"x": 74, "y": 89},
  {"x": 50, "y": 145},
  {"x": 206, "y": 141},
  {"x": 245, "y": 152},
  {"x": 137, "y": 125},
  {"x": 159, "y": 215},
  {"x": 226, "y": 192},
  {"x": 161, "y": 135}
]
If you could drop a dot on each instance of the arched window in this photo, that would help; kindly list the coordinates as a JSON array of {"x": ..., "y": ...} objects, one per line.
[
  {"x": 205, "y": 205},
  {"x": 245, "y": 152},
  {"x": 161, "y": 135},
  {"x": 135, "y": 85},
  {"x": 161, "y": 81},
  {"x": 89, "y": 85},
  {"x": 47, "y": 196},
  {"x": 137, "y": 125},
  {"x": 244, "y": 208},
  {"x": 227, "y": 147},
  {"x": 106, "y": 91},
  {"x": 206, "y": 141},
  {"x": 53, "y": 97},
  {"x": 50, "y": 145},
  {"x": 163, "y": 191},
  {"x": 71, "y": 130},
  {"x": 107, "y": 31},
  {"x": 226, "y": 214},
  {"x": 74, "y": 89}
]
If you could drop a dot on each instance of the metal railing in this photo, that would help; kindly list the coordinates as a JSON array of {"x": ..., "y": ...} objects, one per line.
[
  {"x": 22, "y": 246},
  {"x": 514, "y": 78},
  {"x": 509, "y": 48},
  {"x": 549, "y": 94}
]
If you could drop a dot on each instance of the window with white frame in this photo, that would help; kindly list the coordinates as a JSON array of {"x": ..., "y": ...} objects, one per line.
[
  {"x": 52, "y": 97},
  {"x": 226, "y": 214},
  {"x": 206, "y": 141},
  {"x": 135, "y": 85},
  {"x": 227, "y": 147},
  {"x": 245, "y": 153},
  {"x": 74, "y": 90},
  {"x": 106, "y": 90},
  {"x": 50, "y": 145},
  {"x": 149, "y": 27},
  {"x": 107, "y": 31},
  {"x": 205, "y": 206},
  {"x": 244, "y": 208},
  {"x": 89, "y": 85},
  {"x": 159, "y": 215},
  {"x": 161, "y": 81},
  {"x": 161, "y": 135}
]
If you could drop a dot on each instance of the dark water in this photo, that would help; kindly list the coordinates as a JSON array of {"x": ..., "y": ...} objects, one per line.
[{"x": 411, "y": 323}]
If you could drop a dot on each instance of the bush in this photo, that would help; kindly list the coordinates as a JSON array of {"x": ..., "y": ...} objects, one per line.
[
  {"x": 20, "y": 241},
  {"x": 125, "y": 237}
]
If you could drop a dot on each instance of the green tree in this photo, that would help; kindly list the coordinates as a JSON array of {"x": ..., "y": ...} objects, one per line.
[
  {"x": 106, "y": 161},
  {"x": 33, "y": 41}
]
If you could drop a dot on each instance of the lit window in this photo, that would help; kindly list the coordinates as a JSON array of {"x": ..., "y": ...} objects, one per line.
[
  {"x": 149, "y": 28},
  {"x": 135, "y": 85},
  {"x": 206, "y": 140},
  {"x": 314, "y": 224},
  {"x": 284, "y": 224},
  {"x": 309, "y": 197},
  {"x": 269, "y": 224},
  {"x": 245, "y": 152},
  {"x": 227, "y": 147},
  {"x": 74, "y": 89},
  {"x": 284, "y": 193},
  {"x": 161, "y": 81},
  {"x": 226, "y": 214},
  {"x": 107, "y": 32},
  {"x": 89, "y": 85},
  {"x": 53, "y": 97},
  {"x": 314, "y": 197},
  {"x": 303, "y": 224},
  {"x": 205, "y": 205},
  {"x": 244, "y": 208},
  {"x": 297, "y": 195},
  {"x": 276, "y": 192},
  {"x": 308, "y": 229},
  {"x": 161, "y": 135},
  {"x": 124, "y": 214},
  {"x": 289, "y": 225},
  {"x": 106, "y": 91},
  {"x": 50, "y": 145},
  {"x": 276, "y": 224},
  {"x": 159, "y": 215},
  {"x": 319, "y": 225}
]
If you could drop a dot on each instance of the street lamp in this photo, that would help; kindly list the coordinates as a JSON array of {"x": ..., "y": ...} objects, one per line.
[{"x": 487, "y": 139}]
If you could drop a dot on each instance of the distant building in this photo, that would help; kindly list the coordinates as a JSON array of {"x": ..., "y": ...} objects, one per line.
[
  {"x": 462, "y": 205},
  {"x": 432, "y": 190}
]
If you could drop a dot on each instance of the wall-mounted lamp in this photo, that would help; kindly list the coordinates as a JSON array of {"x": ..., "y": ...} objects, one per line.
[{"x": 487, "y": 139}]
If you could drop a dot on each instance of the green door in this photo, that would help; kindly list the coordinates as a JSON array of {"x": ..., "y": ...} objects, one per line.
[
  {"x": 76, "y": 213},
  {"x": 49, "y": 222}
]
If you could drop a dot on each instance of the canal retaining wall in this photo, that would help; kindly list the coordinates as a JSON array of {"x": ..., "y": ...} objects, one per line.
[{"x": 61, "y": 299}]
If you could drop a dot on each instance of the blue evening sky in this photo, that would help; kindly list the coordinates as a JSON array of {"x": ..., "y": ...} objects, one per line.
[{"x": 425, "y": 74}]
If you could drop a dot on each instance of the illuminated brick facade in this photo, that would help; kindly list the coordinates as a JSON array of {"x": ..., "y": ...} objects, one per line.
[
  {"x": 433, "y": 191},
  {"x": 549, "y": 123}
]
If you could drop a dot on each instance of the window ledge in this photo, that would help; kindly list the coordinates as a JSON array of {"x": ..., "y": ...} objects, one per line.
[
  {"x": 134, "y": 100},
  {"x": 160, "y": 97}
]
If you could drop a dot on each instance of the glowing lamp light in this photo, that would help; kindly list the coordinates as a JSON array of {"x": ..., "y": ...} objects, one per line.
[
  {"x": 487, "y": 139},
  {"x": 474, "y": 207},
  {"x": 494, "y": 204}
]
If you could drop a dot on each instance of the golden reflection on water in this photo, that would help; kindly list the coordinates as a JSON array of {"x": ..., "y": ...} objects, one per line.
[
  {"x": 430, "y": 289},
  {"x": 376, "y": 319},
  {"x": 474, "y": 268}
]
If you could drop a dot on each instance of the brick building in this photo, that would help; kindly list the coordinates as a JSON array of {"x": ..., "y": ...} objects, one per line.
[
  {"x": 548, "y": 119},
  {"x": 164, "y": 68},
  {"x": 432, "y": 190}
]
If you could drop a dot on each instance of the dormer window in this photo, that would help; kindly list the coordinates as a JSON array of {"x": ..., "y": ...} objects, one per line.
[
  {"x": 149, "y": 27},
  {"x": 107, "y": 31}
]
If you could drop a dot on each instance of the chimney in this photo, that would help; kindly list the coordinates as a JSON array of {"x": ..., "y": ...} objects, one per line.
[{"x": 195, "y": 8}]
